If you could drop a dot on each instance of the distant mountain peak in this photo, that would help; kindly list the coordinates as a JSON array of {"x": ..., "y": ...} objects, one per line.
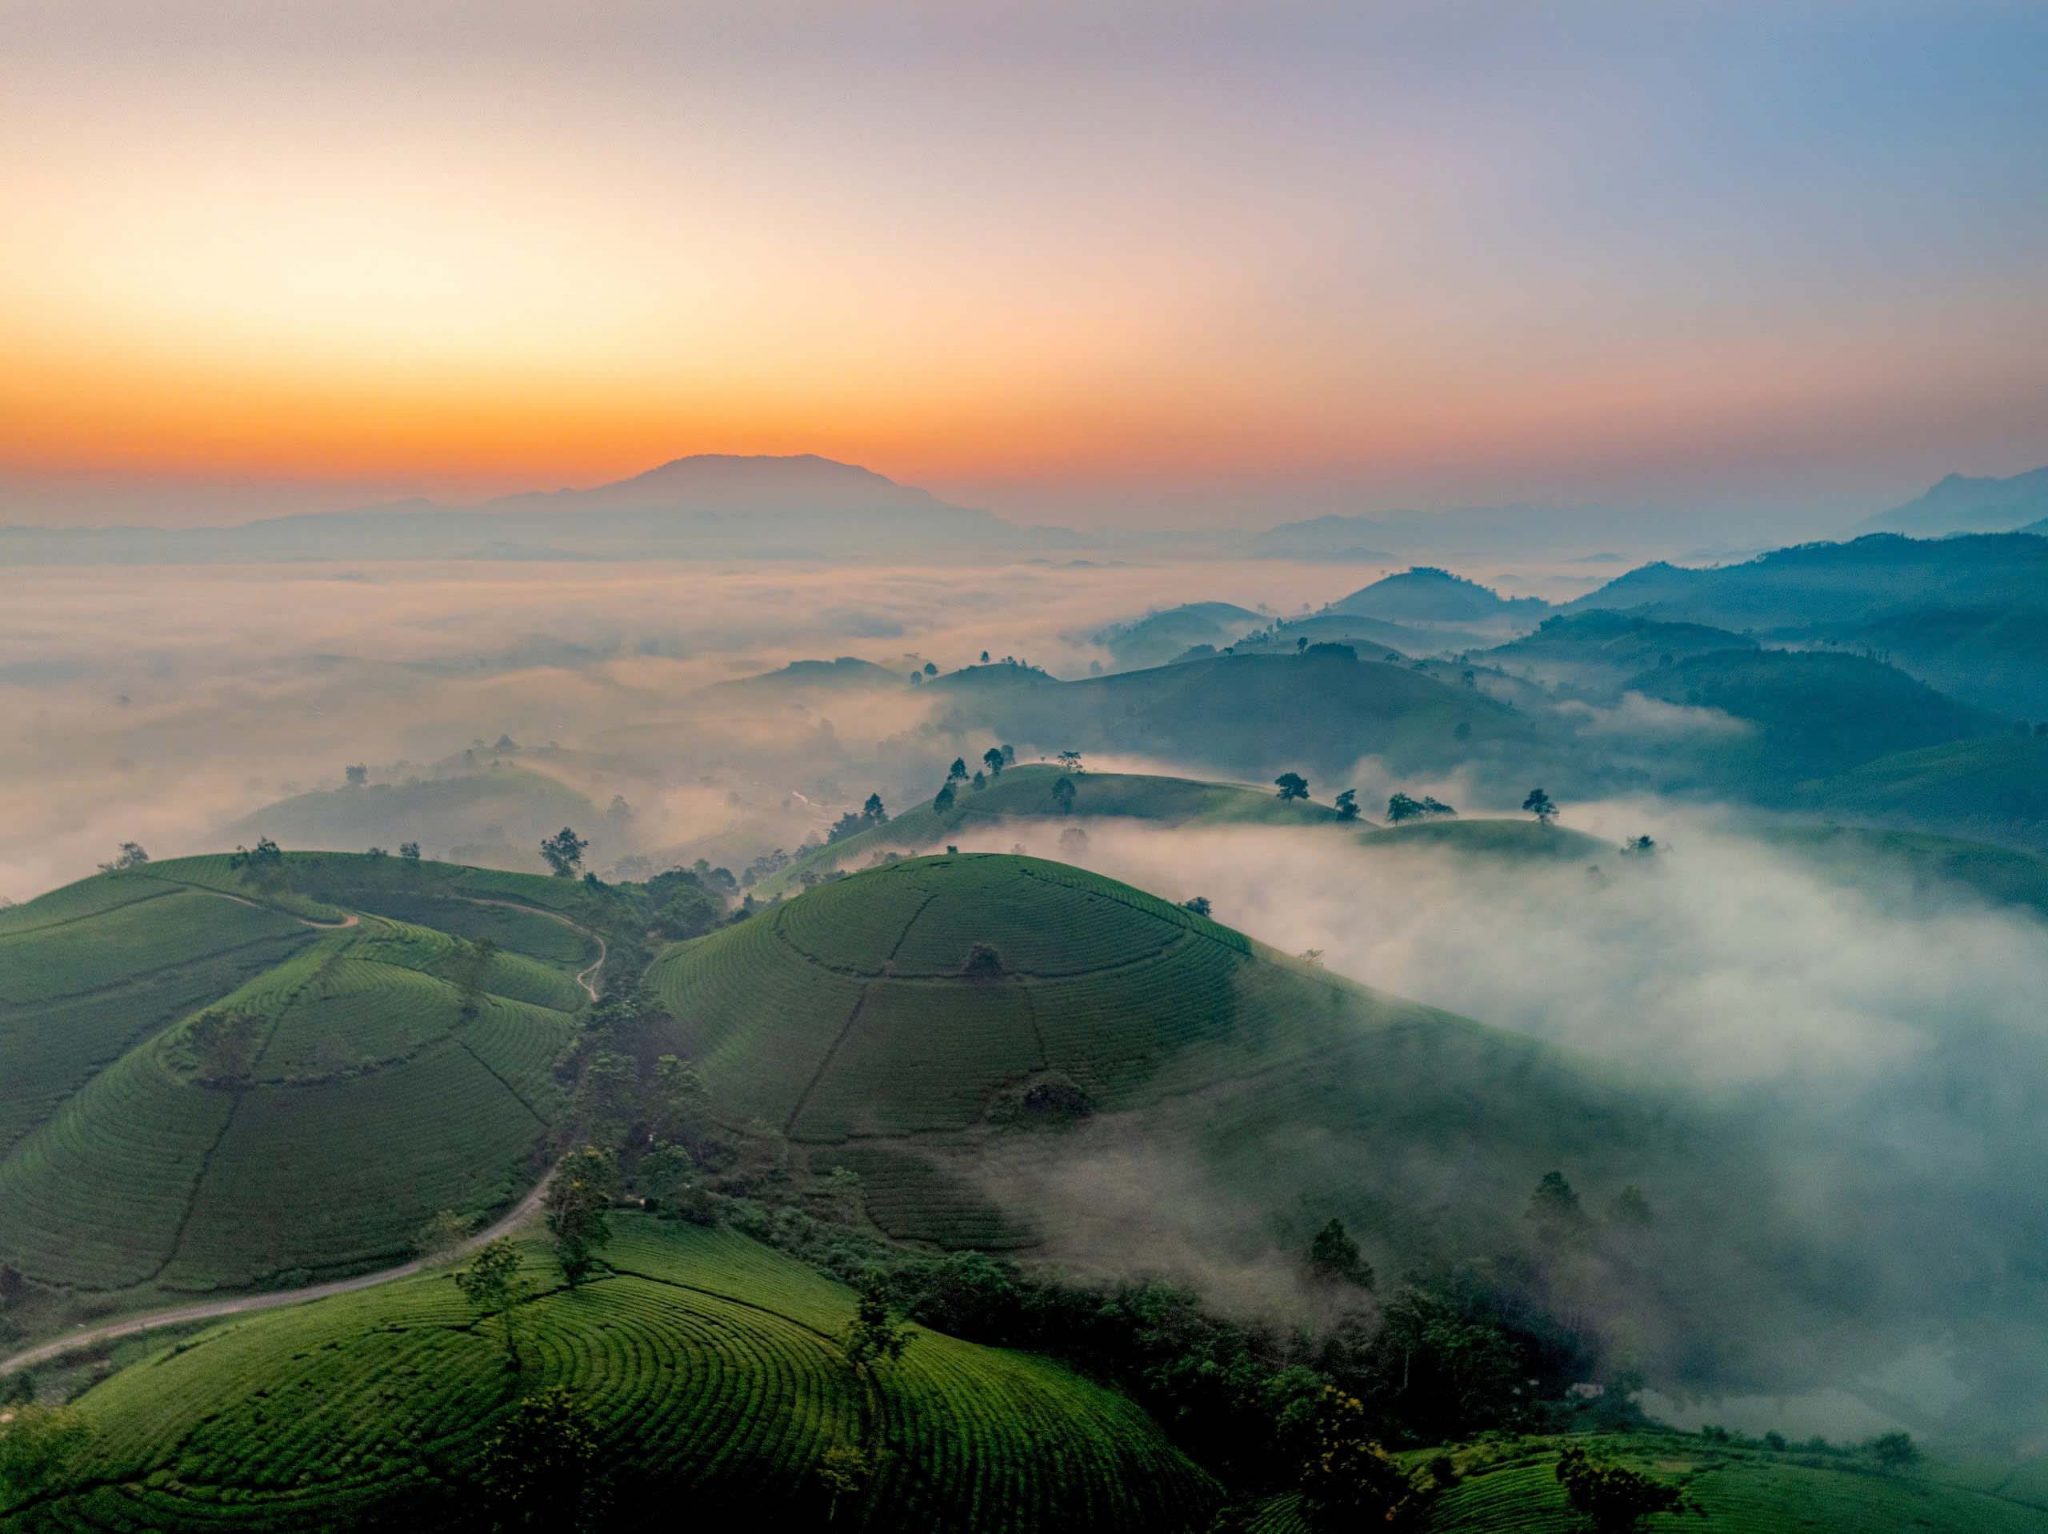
[{"x": 1966, "y": 503}]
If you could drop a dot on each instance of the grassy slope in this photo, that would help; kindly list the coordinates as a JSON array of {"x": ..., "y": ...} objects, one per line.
[
  {"x": 1512, "y": 1489},
  {"x": 844, "y": 1018},
  {"x": 1995, "y": 788},
  {"x": 1025, "y": 792},
  {"x": 371, "y": 1104},
  {"x": 712, "y": 1365}
]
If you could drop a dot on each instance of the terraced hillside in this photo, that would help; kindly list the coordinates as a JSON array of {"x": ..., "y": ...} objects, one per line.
[
  {"x": 215, "y": 1083},
  {"x": 898, "y": 1022},
  {"x": 1026, "y": 793},
  {"x": 1512, "y": 1489},
  {"x": 712, "y": 1368}
]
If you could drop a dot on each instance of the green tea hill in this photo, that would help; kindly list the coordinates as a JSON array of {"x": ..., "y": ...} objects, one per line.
[
  {"x": 712, "y": 1368},
  {"x": 221, "y": 1081}
]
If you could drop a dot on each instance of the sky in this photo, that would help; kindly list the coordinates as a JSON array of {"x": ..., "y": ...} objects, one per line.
[{"x": 1108, "y": 264}]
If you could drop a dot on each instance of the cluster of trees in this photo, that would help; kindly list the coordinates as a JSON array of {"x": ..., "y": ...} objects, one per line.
[
  {"x": 1541, "y": 805},
  {"x": 871, "y": 814},
  {"x": 993, "y": 761},
  {"x": 1402, "y": 807},
  {"x": 129, "y": 855}
]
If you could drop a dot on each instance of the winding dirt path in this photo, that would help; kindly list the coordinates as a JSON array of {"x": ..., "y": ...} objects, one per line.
[{"x": 214, "y": 1309}]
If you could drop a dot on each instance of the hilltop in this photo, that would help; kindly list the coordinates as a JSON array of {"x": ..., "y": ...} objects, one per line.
[
  {"x": 1026, "y": 792},
  {"x": 1425, "y": 594},
  {"x": 1162, "y": 636},
  {"x": 229, "y": 1078},
  {"x": 1016, "y": 1054},
  {"x": 1604, "y": 646},
  {"x": 1961, "y": 503}
]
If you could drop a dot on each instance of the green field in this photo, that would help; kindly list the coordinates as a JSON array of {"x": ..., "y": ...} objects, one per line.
[
  {"x": 1511, "y": 1488},
  {"x": 1512, "y": 840},
  {"x": 131, "y": 1170},
  {"x": 1025, "y": 792},
  {"x": 711, "y": 1365},
  {"x": 853, "y": 1019}
]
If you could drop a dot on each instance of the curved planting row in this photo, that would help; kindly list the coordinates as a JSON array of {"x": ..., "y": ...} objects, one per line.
[
  {"x": 711, "y": 1371},
  {"x": 131, "y": 940}
]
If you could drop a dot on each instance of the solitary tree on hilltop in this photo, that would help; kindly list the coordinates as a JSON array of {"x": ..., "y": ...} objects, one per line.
[
  {"x": 1541, "y": 806},
  {"x": 957, "y": 770},
  {"x": 1292, "y": 785},
  {"x": 1070, "y": 761},
  {"x": 992, "y": 759},
  {"x": 410, "y": 851},
  {"x": 1199, "y": 905},
  {"x": 873, "y": 810},
  {"x": 356, "y": 774},
  {"x": 130, "y": 855},
  {"x": 563, "y": 852}
]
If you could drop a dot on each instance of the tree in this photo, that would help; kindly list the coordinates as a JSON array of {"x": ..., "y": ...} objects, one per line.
[
  {"x": 1613, "y": 1499},
  {"x": 355, "y": 774},
  {"x": 1638, "y": 847},
  {"x": 931, "y": 668},
  {"x": 844, "y": 1470},
  {"x": 873, "y": 810},
  {"x": 1063, "y": 794},
  {"x": 1070, "y": 761},
  {"x": 563, "y": 852},
  {"x": 1009, "y": 756},
  {"x": 577, "y": 1197},
  {"x": 1894, "y": 1451},
  {"x": 1630, "y": 1209},
  {"x": 1292, "y": 785},
  {"x": 984, "y": 657},
  {"x": 943, "y": 800},
  {"x": 1541, "y": 806},
  {"x": 224, "y": 1046},
  {"x": 442, "y": 1234},
  {"x": 541, "y": 1469},
  {"x": 958, "y": 771},
  {"x": 1554, "y": 1209},
  {"x": 38, "y": 1445},
  {"x": 678, "y": 1104},
  {"x": 1335, "y": 1258},
  {"x": 130, "y": 855},
  {"x": 261, "y": 865},
  {"x": 980, "y": 782},
  {"x": 1348, "y": 1480},
  {"x": 1347, "y": 804},
  {"x": 410, "y": 851},
  {"x": 668, "y": 1176},
  {"x": 1199, "y": 905},
  {"x": 872, "y": 1337},
  {"x": 992, "y": 759},
  {"x": 493, "y": 1286},
  {"x": 607, "y": 1096},
  {"x": 1402, "y": 808}
]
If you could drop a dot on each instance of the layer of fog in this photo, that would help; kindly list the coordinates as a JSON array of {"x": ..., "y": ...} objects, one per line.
[{"x": 163, "y": 705}]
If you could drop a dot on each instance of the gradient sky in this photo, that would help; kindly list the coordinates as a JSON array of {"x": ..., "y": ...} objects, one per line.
[{"x": 1146, "y": 263}]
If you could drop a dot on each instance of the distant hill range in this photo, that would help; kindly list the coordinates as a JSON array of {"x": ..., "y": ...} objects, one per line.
[
  {"x": 1962, "y": 503},
  {"x": 708, "y": 506}
]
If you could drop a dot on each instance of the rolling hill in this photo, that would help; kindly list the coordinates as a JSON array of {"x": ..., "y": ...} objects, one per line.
[
  {"x": 507, "y": 808},
  {"x": 1253, "y": 715},
  {"x": 1159, "y": 637},
  {"x": 713, "y": 1368},
  {"x": 1425, "y": 594},
  {"x": 1606, "y": 647},
  {"x": 901, "y": 1022},
  {"x": 1025, "y": 792},
  {"x": 1811, "y": 713},
  {"x": 222, "y": 1082},
  {"x": 1991, "y": 789}
]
